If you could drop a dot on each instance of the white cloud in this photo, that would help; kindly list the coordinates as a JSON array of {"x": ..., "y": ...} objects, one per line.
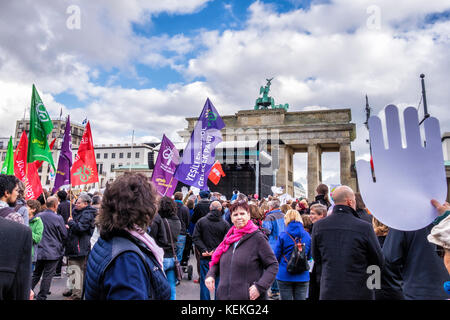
[{"x": 320, "y": 58}]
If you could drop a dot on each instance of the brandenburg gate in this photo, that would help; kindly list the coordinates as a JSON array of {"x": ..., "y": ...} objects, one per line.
[{"x": 282, "y": 134}]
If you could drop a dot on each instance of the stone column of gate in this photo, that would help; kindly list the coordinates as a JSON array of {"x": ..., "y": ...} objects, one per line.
[
  {"x": 346, "y": 162},
  {"x": 281, "y": 179},
  {"x": 314, "y": 166}
]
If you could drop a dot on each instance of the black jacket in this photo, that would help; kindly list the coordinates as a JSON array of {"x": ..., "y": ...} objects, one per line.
[
  {"x": 201, "y": 209},
  {"x": 413, "y": 270},
  {"x": 320, "y": 198},
  {"x": 51, "y": 246},
  {"x": 184, "y": 216},
  {"x": 364, "y": 215},
  {"x": 159, "y": 231},
  {"x": 64, "y": 210},
  {"x": 15, "y": 260},
  {"x": 343, "y": 247},
  {"x": 209, "y": 232},
  {"x": 80, "y": 232}
]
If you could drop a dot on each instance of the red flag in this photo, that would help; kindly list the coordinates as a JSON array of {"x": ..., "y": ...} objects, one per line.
[
  {"x": 84, "y": 169},
  {"x": 30, "y": 178},
  {"x": 38, "y": 164},
  {"x": 216, "y": 173}
]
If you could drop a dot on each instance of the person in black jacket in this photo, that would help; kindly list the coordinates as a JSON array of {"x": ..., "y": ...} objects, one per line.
[
  {"x": 165, "y": 229},
  {"x": 413, "y": 270},
  {"x": 63, "y": 211},
  {"x": 78, "y": 246},
  {"x": 322, "y": 196},
  {"x": 343, "y": 247},
  {"x": 201, "y": 209},
  {"x": 184, "y": 216},
  {"x": 208, "y": 234},
  {"x": 15, "y": 260},
  {"x": 50, "y": 249}
]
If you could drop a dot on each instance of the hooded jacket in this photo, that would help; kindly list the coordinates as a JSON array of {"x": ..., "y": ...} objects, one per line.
[
  {"x": 81, "y": 229},
  {"x": 209, "y": 232},
  {"x": 284, "y": 248}
]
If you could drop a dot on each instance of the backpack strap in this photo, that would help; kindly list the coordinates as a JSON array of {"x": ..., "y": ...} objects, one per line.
[
  {"x": 295, "y": 243},
  {"x": 4, "y": 212}
]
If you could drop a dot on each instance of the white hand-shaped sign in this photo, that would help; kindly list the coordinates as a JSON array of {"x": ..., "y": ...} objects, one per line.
[{"x": 406, "y": 178}]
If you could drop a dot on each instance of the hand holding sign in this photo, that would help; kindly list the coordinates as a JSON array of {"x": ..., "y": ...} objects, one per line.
[{"x": 406, "y": 178}]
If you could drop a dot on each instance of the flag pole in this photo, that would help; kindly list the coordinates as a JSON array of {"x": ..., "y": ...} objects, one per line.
[{"x": 167, "y": 188}]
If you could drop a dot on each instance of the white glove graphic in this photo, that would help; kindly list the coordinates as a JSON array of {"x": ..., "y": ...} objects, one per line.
[{"x": 406, "y": 178}]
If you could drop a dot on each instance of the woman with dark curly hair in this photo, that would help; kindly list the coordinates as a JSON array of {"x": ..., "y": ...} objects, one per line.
[
  {"x": 126, "y": 263},
  {"x": 165, "y": 220}
]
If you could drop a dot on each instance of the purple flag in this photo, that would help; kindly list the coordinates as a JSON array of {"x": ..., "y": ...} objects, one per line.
[
  {"x": 65, "y": 159},
  {"x": 165, "y": 166},
  {"x": 199, "y": 154}
]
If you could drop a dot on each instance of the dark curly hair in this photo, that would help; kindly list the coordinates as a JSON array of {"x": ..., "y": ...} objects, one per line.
[
  {"x": 167, "y": 207},
  {"x": 130, "y": 200}
]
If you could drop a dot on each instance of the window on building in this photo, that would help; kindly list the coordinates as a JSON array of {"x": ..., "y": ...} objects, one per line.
[
  {"x": 137, "y": 155},
  {"x": 112, "y": 167},
  {"x": 98, "y": 155},
  {"x": 121, "y": 155},
  {"x": 3, "y": 156},
  {"x": 105, "y": 156},
  {"x": 129, "y": 155},
  {"x": 113, "y": 155}
]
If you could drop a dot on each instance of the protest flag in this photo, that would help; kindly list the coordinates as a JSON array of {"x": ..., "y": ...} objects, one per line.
[
  {"x": 216, "y": 173},
  {"x": 40, "y": 126},
  {"x": 199, "y": 154},
  {"x": 84, "y": 169},
  {"x": 39, "y": 163},
  {"x": 165, "y": 166},
  {"x": 8, "y": 165},
  {"x": 65, "y": 159},
  {"x": 29, "y": 176}
]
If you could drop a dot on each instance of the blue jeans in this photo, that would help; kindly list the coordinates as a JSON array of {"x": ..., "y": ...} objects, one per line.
[
  {"x": 169, "y": 269},
  {"x": 204, "y": 292},
  {"x": 293, "y": 290},
  {"x": 181, "y": 241}
]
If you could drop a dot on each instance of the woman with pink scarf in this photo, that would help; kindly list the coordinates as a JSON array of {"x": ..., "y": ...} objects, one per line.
[{"x": 244, "y": 261}]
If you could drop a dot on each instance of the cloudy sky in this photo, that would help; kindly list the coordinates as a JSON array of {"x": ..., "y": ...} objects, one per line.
[{"x": 147, "y": 65}]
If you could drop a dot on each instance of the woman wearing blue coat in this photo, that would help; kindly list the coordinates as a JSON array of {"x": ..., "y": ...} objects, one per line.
[{"x": 292, "y": 286}]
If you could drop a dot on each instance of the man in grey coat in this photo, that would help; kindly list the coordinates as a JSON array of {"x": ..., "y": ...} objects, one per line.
[
  {"x": 344, "y": 247},
  {"x": 50, "y": 249}
]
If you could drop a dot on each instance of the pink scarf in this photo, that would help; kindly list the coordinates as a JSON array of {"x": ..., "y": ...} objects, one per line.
[
  {"x": 232, "y": 236},
  {"x": 141, "y": 235}
]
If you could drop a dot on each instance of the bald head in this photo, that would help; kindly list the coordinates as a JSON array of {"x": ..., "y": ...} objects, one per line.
[
  {"x": 215, "y": 205},
  {"x": 344, "y": 195},
  {"x": 52, "y": 203}
]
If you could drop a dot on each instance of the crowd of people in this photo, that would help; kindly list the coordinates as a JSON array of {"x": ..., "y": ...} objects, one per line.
[{"x": 131, "y": 243}]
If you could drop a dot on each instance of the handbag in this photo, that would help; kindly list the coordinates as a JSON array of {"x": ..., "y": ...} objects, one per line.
[
  {"x": 178, "y": 269},
  {"x": 298, "y": 262}
]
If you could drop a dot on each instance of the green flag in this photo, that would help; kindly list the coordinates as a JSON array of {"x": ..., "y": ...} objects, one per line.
[
  {"x": 8, "y": 165},
  {"x": 40, "y": 126}
]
